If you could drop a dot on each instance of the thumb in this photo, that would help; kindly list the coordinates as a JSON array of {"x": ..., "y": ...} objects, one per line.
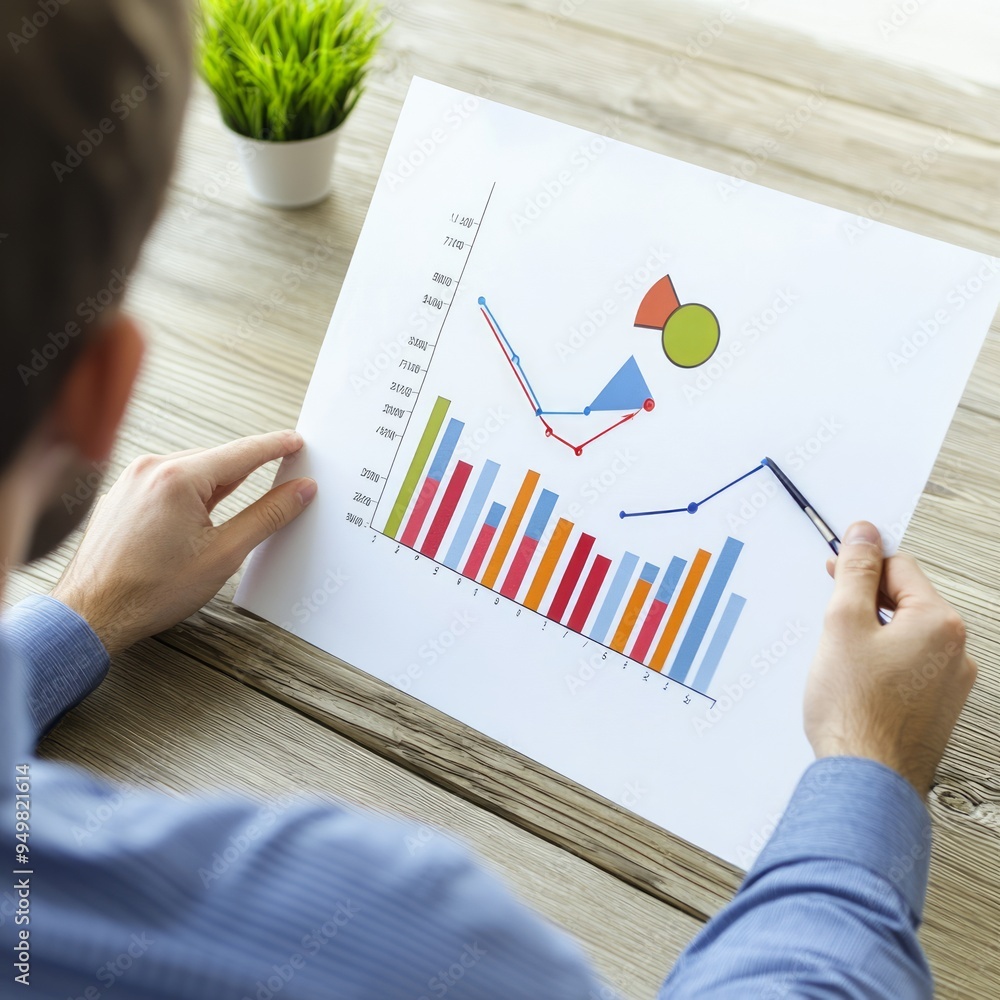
[
  {"x": 858, "y": 572},
  {"x": 275, "y": 509}
]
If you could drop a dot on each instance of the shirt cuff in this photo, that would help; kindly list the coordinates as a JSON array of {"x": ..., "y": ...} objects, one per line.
[
  {"x": 62, "y": 658},
  {"x": 860, "y": 811}
]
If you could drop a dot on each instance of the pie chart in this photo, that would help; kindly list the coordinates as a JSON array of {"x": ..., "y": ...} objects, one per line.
[{"x": 690, "y": 333}]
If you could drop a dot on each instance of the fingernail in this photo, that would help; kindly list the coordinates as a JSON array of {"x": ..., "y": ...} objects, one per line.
[
  {"x": 861, "y": 532},
  {"x": 295, "y": 439},
  {"x": 307, "y": 491}
]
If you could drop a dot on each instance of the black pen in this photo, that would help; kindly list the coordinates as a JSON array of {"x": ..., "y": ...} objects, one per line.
[{"x": 829, "y": 535}]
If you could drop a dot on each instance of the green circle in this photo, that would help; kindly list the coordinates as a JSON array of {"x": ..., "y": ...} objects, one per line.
[{"x": 690, "y": 335}]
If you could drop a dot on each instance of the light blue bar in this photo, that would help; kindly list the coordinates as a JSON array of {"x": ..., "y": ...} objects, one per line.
[
  {"x": 446, "y": 449},
  {"x": 495, "y": 516},
  {"x": 670, "y": 580},
  {"x": 648, "y": 574},
  {"x": 615, "y": 594},
  {"x": 540, "y": 515},
  {"x": 475, "y": 507},
  {"x": 706, "y": 608},
  {"x": 720, "y": 640}
]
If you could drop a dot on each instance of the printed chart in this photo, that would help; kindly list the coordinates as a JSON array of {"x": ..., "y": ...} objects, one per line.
[{"x": 538, "y": 424}]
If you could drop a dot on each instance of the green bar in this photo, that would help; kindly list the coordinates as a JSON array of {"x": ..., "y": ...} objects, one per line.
[{"x": 417, "y": 466}]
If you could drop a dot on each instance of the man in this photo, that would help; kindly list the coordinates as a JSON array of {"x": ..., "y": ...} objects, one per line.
[{"x": 327, "y": 902}]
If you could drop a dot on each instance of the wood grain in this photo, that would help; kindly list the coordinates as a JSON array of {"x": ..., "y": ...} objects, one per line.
[{"x": 236, "y": 299}]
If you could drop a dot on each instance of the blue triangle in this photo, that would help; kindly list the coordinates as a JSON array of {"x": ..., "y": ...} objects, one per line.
[{"x": 627, "y": 390}]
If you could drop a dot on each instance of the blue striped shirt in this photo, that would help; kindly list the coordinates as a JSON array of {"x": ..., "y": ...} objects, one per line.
[{"x": 135, "y": 894}]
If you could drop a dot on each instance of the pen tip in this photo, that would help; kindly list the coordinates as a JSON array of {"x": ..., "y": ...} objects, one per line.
[{"x": 765, "y": 461}]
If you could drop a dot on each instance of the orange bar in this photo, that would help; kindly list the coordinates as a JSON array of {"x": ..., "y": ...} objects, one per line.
[
  {"x": 684, "y": 598},
  {"x": 514, "y": 519},
  {"x": 548, "y": 564},
  {"x": 631, "y": 615}
]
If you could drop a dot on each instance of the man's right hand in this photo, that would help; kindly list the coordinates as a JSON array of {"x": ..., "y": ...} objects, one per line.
[{"x": 891, "y": 693}]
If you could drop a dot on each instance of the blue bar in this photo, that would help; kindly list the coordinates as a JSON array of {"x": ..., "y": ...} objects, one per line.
[
  {"x": 475, "y": 507},
  {"x": 540, "y": 515},
  {"x": 720, "y": 640},
  {"x": 615, "y": 594},
  {"x": 706, "y": 608},
  {"x": 648, "y": 574},
  {"x": 446, "y": 449},
  {"x": 495, "y": 516},
  {"x": 670, "y": 580}
]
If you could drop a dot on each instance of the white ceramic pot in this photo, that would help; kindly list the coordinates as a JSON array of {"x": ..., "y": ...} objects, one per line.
[{"x": 288, "y": 174}]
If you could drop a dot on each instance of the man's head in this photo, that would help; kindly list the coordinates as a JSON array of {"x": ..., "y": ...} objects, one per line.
[{"x": 91, "y": 99}]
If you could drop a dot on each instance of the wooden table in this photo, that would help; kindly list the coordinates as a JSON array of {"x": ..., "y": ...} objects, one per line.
[{"x": 224, "y": 699}]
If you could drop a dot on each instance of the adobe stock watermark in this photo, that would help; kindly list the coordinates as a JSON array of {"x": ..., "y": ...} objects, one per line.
[
  {"x": 121, "y": 107},
  {"x": 421, "y": 324},
  {"x": 311, "y": 945},
  {"x": 291, "y": 280},
  {"x": 44, "y": 11},
  {"x": 238, "y": 845},
  {"x": 957, "y": 299},
  {"x": 56, "y": 341},
  {"x": 423, "y": 149},
  {"x": 711, "y": 30},
  {"x": 632, "y": 283},
  {"x": 900, "y": 16},
  {"x": 310, "y": 604},
  {"x": 761, "y": 664},
  {"x": 725, "y": 360},
  {"x": 472, "y": 440},
  {"x": 110, "y": 973},
  {"x": 912, "y": 170},
  {"x": 85, "y": 487},
  {"x": 469, "y": 957},
  {"x": 431, "y": 651},
  {"x": 754, "y": 157},
  {"x": 583, "y": 157}
]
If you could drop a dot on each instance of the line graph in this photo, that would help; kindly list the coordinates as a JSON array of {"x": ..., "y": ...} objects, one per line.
[
  {"x": 626, "y": 390},
  {"x": 694, "y": 506}
]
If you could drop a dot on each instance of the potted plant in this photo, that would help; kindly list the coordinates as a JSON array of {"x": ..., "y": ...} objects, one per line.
[{"x": 286, "y": 74}]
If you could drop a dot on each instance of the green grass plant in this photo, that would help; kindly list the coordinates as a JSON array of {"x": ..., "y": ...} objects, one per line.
[{"x": 286, "y": 69}]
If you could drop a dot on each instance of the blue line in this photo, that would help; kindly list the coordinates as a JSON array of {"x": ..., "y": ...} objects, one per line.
[
  {"x": 564, "y": 413},
  {"x": 513, "y": 355},
  {"x": 702, "y": 617},
  {"x": 615, "y": 594},
  {"x": 691, "y": 508},
  {"x": 730, "y": 485},
  {"x": 475, "y": 507},
  {"x": 446, "y": 449},
  {"x": 720, "y": 640}
]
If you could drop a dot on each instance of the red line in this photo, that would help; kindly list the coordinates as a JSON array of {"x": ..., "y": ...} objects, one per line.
[
  {"x": 524, "y": 388},
  {"x": 534, "y": 405},
  {"x": 607, "y": 429}
]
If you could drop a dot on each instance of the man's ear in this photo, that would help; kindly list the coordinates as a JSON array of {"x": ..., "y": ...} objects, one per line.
[{"x": 93, "y": 396}]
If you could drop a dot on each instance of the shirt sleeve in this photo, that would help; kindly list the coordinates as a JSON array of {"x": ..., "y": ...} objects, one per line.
[
  {"x": 224, "y": 897},
  {"x": 832, "y": 905},
  {"x": 62, "y": 658}
]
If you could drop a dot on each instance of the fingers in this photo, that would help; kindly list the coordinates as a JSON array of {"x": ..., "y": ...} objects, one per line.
[
  {"x": 264, "y": 517},
  {"x": 237, "y": 459},
  {"x": 858, "y": 573}
]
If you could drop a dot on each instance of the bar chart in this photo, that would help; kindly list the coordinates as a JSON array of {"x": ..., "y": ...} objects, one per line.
[{"x": 677, "y": 622}]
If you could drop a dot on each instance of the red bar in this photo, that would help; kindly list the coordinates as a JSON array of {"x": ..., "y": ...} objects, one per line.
[
  {"x": 478, "y": 553},
  {"x": 571, "y": 577},
  {"x": 518, "y": 567},
  {"x": 648, "y": 630},
  {"x": 452, "y": 494},
  {"x": 420, "y": 509},
  {"x": 589, "y": 593}
]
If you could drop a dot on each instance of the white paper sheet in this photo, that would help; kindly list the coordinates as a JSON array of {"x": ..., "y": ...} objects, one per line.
[{"x": 843, "y": 349}]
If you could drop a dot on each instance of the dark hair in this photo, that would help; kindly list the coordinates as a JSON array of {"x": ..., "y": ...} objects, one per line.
[{"x": 91, "y": 99}]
